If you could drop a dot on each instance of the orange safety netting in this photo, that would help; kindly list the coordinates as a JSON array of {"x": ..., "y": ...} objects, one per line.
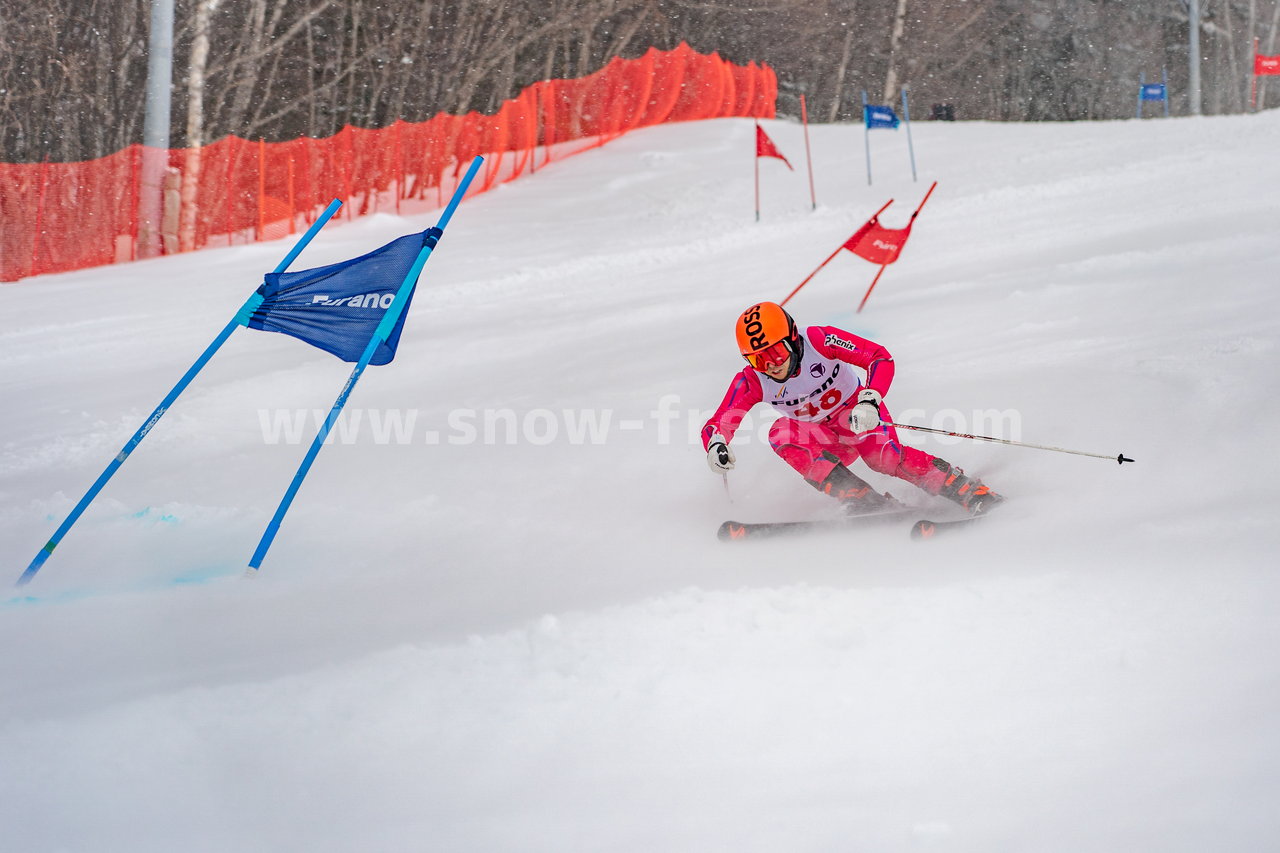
[{"x": 66, "y": 216}]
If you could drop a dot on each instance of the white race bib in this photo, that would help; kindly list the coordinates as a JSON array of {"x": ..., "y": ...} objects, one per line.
[{"x": 822, "y": 387}]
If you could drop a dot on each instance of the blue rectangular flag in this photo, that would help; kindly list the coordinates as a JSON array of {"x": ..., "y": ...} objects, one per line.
[
  {"x": 1152, "y": 92},
  {"x": 880, "y": 116},
  {"x": 338, "y": 307}
]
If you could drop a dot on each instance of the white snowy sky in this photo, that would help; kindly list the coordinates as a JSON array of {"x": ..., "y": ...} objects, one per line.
[{"x": 534, "y": 642}]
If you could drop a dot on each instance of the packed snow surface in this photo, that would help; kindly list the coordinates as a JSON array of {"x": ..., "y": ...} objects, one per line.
[{"x": 497, "y": 616}]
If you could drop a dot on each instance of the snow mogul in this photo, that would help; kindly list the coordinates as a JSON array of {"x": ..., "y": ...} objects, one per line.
[{"x": 829, "y": 386}]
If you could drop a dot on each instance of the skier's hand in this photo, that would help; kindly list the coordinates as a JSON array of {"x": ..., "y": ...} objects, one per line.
[
  {"x": 719, "y": 457},
  {"x": 865, "y": 416}
]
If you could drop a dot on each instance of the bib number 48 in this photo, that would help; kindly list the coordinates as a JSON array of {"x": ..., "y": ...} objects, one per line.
[{"x": 814, "y": 408}]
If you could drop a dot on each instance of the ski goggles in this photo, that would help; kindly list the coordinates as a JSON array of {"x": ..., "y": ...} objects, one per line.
[{"x": 779, "y": 353}]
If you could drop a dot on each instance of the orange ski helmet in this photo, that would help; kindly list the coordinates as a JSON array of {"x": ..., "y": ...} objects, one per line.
[{"x": 767, "y": 335}]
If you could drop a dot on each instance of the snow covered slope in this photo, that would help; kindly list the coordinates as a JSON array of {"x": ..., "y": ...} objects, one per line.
[{"x": 497, "y": 618}]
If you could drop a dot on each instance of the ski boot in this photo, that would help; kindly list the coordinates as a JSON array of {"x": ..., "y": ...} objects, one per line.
[
  {"x": 855, "y": 494},
  {"x": 970, "y": 492}
]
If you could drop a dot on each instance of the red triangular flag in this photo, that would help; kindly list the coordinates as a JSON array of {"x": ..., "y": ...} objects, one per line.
[
  {"x": 878, "y": 244},
  {"x": 766, "y": 148}
]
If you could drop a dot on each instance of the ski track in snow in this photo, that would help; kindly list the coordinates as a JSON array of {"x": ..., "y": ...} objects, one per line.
[{"x": 539, "y": 645}]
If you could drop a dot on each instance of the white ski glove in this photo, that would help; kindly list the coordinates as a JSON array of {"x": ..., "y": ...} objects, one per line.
[
  {"x": 865, "y": 416},
  {"x": 719, "y": 457}
]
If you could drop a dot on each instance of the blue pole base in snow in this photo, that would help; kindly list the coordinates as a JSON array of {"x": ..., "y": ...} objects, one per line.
[{"x": 37, "y": 562}]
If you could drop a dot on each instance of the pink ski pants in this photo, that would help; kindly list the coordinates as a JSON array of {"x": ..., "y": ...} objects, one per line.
[{"x": 814, "y": 449}]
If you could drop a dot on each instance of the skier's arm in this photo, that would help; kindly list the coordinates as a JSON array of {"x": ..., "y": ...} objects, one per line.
[
  {"x": 860, "y": 352},
  {"x": 744, "y": 392}
]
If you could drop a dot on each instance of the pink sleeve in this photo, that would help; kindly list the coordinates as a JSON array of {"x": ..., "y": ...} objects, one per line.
[
  {"x": 744, "y": 392},
  {"x": 860, "y": 352}
]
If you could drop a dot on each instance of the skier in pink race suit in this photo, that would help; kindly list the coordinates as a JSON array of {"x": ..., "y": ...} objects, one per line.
[{"x": 829, "y": 386}]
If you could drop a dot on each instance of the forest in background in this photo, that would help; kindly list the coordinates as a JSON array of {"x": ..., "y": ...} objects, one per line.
[{"x": 73, "y": 72}]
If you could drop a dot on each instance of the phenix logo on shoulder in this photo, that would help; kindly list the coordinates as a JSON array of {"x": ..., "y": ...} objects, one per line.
[
  {"x": 360, "y": 300},
  {"x": 837, "y": 341}
]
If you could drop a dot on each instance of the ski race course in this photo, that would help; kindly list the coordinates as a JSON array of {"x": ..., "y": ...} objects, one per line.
[{"x": 497, "y": 616}]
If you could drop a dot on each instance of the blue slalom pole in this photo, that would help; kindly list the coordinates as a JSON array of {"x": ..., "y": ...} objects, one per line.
[
  {"x": 380, "y": 335},
  {"x": 866, "y": 134},
  {"x": 906, "y": 117},
  {"x": 240, "y": 319}
]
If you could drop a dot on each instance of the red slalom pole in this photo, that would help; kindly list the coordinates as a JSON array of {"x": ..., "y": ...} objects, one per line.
[
  {"x": 804, "y": 119},
  {"x": 811, "y": 275},
  {"x": 830, "y": 258},
  {"x": 922, "y": 201},
  {"x": 867, "y": 295},
  {"x": 910, "y": 222}
]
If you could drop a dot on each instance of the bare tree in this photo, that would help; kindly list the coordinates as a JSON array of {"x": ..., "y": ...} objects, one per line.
[
  {"x": 841, "y": 70},
  {"x": 195, "y": 120},
  {"x": 895, "y": 42},
  {"x": 70, "y": 70}
]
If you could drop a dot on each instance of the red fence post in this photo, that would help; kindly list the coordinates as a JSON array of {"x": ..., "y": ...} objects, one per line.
[
  {"x": 262, "y": 189},
  {"x": 293, "y": 209},
  {"x": 135, "y": 181},
  {"x": 349, "y": 153},
  {"x": 35, "y": 234},
  {"x": 400, "y": 162},
  {"x": 231, "y": 183}
]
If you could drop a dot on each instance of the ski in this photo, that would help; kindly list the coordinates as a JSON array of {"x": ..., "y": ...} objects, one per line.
[
  {"x": 731, "y": 530},
  {"x": 926, "y": 529}
]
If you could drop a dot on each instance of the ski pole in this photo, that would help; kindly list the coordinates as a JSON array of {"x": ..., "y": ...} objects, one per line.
[
  {"x": 727, "y": 493},
  {"x": 1120, "y": 459}
]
